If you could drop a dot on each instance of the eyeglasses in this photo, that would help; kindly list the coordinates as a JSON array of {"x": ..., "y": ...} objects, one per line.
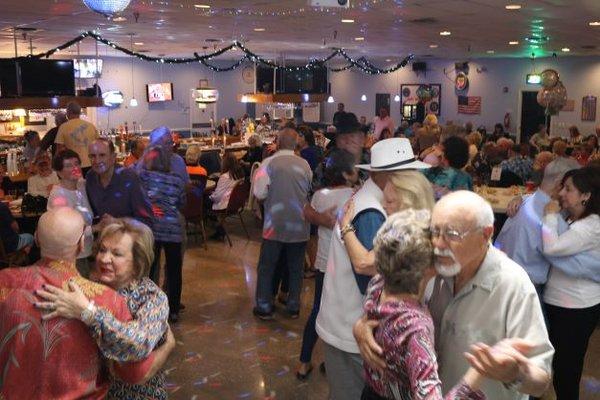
[{"x": 451, "y": 234}]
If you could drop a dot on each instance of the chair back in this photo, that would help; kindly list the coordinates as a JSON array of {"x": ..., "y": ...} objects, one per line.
[
  {"x": 194, "y": 201},
  {"x": 238, "y": 197},
  {"x": 251, "y": 198}
]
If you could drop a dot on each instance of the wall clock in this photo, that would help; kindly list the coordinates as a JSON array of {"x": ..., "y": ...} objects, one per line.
[{"x": 248, "y": 74}]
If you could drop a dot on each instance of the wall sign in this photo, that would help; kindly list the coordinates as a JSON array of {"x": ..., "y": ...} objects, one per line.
[{"x": 428, "y": 94}]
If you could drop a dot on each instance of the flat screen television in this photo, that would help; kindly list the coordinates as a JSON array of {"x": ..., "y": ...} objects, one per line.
[
  {"x": 47, "y": 78},
  {"x": 264, "y": 79},
  {"x": 313, "y": 80},
  {"x": 159, "y": 92},
  {"x": 8, "y": 79},
  {"x": 87, "y": 67}
]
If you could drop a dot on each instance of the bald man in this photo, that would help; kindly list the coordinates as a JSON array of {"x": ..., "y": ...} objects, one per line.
[
  {"x": 481, "y": 296},
  {"x": 282, "y": 182},
  {"x": 56, "y": 358}
]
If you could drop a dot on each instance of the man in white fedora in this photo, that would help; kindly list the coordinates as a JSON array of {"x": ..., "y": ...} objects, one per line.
[{"x": 344, "y": 288}]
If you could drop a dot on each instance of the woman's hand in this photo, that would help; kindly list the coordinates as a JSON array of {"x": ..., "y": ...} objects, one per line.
[
  {"x": 513, "y": 206},
  {"x": 346, "y": 216},
  {"x": 552, "y": 208},
  {"x": 61, "y": 303}
]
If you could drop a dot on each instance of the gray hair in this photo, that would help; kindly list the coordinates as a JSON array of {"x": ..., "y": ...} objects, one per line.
[
  {"x": 60, "y": 118},
  {"x": 254, "y": 141},
  {"x": 287, "y": 139},
  {"x": 555, "y": 170},
  {"x": 403, "y": 250},
  {"x": 73, "y": 108},
  {"x": 471, "y": 203},
  {"x": 192, "y": 154}
]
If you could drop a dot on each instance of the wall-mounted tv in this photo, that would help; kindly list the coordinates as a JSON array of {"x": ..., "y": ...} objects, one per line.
[
  {"x": 88, "y": 67},
  {"x": 159, "y": 92},
  {"x": 47, "y": 77},
  {"x": 8, "y": 79}
]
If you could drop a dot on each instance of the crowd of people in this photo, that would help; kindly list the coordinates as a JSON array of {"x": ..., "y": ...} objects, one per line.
[{"x": 416, "y": 296}]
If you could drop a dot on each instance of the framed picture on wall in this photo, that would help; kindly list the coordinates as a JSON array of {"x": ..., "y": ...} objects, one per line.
[
  {"x": 588, "y": 108},
  {"x": 414, "y": 93}
]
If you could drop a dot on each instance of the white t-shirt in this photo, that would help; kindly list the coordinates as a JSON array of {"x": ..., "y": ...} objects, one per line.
[
  {"x": 38, "y": 185},
  {"x": 77, "y": 200},
  {"x": 561, "y": 289},
  {"x": 323, "y": 200}
]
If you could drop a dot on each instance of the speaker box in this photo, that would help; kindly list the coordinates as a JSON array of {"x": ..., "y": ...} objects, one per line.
[{"x": 419, "y": 66}]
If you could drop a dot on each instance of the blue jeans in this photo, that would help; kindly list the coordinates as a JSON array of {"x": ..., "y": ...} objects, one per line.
[
  {"x": 309, "y": 339},
  {"x": 270, "y": 252},
  {"x": 25, "y": 239}
]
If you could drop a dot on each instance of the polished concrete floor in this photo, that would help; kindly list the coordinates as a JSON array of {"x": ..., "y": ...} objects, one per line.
[{"x": 224, "y": 352}]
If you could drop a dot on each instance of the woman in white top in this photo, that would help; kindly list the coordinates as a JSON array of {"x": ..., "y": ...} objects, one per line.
[
  {"x": 572, "y": 304},
  {"x": 41, "y": 183},
  {"x": 70, "y": 192},
  {"x": 339, "y": 176},
  {"x": 231, "y": 173}
]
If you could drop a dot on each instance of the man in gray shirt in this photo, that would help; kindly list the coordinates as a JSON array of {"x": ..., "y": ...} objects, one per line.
[{"x": 282, "y": 182}]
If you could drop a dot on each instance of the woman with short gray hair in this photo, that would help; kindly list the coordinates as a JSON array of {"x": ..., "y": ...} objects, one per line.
[{"x": 403, "y": 254}]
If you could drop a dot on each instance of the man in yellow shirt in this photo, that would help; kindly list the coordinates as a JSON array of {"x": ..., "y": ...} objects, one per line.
[{"x": 76, "y": 134}]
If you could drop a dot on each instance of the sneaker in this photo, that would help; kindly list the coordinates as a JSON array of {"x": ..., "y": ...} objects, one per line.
[{"x": 265, "y": 316}]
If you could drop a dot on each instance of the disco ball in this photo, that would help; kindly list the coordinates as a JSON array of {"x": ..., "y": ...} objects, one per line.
[{"x": 107, "y": 7}]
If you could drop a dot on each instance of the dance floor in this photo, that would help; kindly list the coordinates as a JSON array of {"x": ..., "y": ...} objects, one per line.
[{"x": 224, "y": 352}]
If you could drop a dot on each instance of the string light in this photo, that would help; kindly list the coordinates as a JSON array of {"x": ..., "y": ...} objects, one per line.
[{"x": 361, "y": 63}]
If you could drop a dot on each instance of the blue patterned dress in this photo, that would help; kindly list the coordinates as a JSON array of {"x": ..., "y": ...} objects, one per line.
[{"x": 134, "y": 340}]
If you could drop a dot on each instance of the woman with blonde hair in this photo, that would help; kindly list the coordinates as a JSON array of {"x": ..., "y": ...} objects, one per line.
[
  {"x": 404, "y": 189},
  {"x": 124, "y": 255}
]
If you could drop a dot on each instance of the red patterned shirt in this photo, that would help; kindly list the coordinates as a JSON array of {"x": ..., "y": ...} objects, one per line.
[
  {"x": 55, "y": 359},
  {"x": 405, "y": 333}
]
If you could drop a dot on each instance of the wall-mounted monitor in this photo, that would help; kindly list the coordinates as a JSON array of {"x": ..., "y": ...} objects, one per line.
[
  {"x": 88, "y": 67},
  {"x": 159, "y": 92},
  {"x": 47, "y": 77},
  {"x": 8, "y": 79}
]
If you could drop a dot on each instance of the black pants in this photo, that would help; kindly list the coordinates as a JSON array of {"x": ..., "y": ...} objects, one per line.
[
  {"x": 174, "y": 262},
  {"x": 370, "y": 394},
  {"x": 570, "y": 330}
]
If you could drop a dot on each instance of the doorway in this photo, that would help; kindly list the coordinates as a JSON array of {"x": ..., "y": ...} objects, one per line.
[
  {"x": 532, "y": 115},
  {"x": 382, "y": 100}
]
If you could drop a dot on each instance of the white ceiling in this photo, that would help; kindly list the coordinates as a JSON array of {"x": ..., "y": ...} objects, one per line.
[{"x": 391, "y": 28}]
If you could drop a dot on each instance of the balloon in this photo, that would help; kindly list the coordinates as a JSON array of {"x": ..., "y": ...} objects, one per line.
[
  {"x": 561, "y": 94},
  {"x": 543, "y": 97},
  {"x": 549, "y": 78}
]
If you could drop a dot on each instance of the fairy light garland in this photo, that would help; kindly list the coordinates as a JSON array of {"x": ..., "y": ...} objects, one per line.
[{"x": 362, "y": 64}]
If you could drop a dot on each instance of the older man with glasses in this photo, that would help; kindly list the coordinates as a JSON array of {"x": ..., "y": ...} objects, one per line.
[{"x": 479, "y": 298}]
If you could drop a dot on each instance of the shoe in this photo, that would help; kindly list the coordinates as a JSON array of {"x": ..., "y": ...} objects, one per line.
[
  {"x": 265, "y": 316},
  {"x": 293, "y": 314},
  {"x": 173, "y": 317},
  {"x": 304, "y": 376},
  {"x": 322, "y": 368}
]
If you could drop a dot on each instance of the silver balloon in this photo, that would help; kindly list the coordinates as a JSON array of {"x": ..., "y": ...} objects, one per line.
[
  {"x": 543, "y": 97},
  {"x": 561, "y": 94},
  {"x": 549, "y": 78}
]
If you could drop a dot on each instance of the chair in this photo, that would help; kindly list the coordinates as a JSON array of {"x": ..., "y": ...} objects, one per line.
[
  {"x": 235, "y": 207},
  {"x": 18, "y": 257},
  {"x": 251, "y": 198},
  {"x": 194, "y": 210}
]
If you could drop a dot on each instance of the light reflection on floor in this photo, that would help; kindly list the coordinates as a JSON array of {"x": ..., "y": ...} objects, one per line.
[{"x": 224, "y": 352}]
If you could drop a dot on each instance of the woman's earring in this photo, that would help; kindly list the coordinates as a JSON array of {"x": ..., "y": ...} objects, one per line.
[{"x": 584, "y": 202}]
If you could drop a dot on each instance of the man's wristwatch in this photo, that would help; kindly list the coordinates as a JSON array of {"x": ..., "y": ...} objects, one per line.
[{"x": 87, "y": 315}]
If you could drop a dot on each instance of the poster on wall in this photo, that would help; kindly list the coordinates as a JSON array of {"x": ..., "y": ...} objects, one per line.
[
  {"x": 35, "y": 118},
  {"x": 429, "y": 94},
  {"x": 311, "y": 112},
  {"x": 588, "y": 108}
]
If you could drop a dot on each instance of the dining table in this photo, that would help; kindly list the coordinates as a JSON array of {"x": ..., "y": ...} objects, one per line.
[{"x": 499, "y": 198}]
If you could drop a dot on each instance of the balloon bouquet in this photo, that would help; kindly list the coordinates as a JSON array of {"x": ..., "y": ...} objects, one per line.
[{"x": 553, "y": 95}]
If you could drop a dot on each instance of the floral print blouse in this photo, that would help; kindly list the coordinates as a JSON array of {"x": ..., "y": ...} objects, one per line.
[
  {"x": 405, "y": 333},
  {"x": 134, "y": 340}
]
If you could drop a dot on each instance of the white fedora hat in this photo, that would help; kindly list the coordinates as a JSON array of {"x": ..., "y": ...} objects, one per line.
[{"x": 393, "y": 155}]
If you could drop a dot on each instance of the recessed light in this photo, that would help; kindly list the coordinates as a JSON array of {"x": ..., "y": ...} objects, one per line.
[
  {"x": 445, "y": 33},
  {"x": 205, "y": 6},
  {"x": 259, "y": 29},
  {"x": 490, "y": 51},
  {"x": 139, "y": 43},
  {"x": 433, "y": 46},
  {"x": 594, "y": 23},
  {"x": 348, "y": 21},
  {"x": 513, "y": 42},
  {"x": 513, "y": 6},
  {"x": 565, "y": 49},
  {"x": 388, "y": 59},
  {"x": 119, "y": 19},
  {"x": 359, "y": 39}
]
